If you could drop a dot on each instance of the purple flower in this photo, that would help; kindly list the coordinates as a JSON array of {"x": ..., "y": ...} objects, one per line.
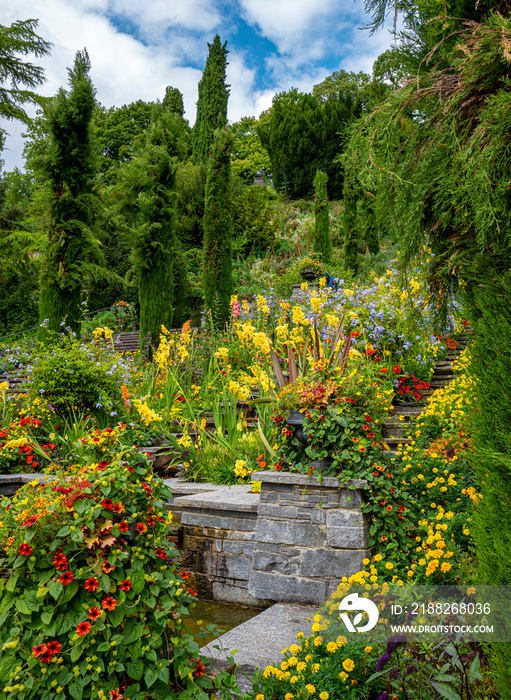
[
  {"x": 393, "y": 673},
  {"x": 383, "y": 696},
  {"x": 393, "y": 642},
  {"x": 382, "y": 661},
  {"x": 411, "y": 669}
]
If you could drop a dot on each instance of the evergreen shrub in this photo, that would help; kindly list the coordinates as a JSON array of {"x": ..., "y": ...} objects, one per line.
[{"x": 73, "y": 378}]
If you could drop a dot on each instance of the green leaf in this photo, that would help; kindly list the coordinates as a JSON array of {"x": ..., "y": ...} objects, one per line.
[
  {"x": 76, "y": 652},
  {"x": 76, "y": 690},
  {"x": 105, "y": 583},
  {"x": 104, "y": 646},
  {"x": 133, "y": 631},
  {"x": 138, "y": 582},
  {"x": 150, "y": 677},
  {"x": 445, "y": 690},
  {"x": 70, "y": 591},
  {"x": 46, "y": 618},
  {"x": 32, "y": 602},
  {"x": 116, "y": 616},
  {"x": 21, "y": 606},
  {"x": 11, "y": 583},
  {"x": 135, "y": 669},
  {"x": 63, "y": 531},
  {"x": 163, "y": 674},
  {"x": 55, "y": 588}
]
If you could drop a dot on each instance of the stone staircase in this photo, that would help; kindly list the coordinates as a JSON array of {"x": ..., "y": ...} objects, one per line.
[{"x": 398, "y": 425}]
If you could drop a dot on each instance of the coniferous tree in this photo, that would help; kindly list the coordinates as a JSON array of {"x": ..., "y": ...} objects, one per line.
[
  {"x": 322, "y": 219},
  {"x": 217, "y": 258},
  {"x": 150, "y": 201},
  {"x": 212, "y": 102},
  {"x": 17, "y": 39},
  {"x": 69, "y": 165}
]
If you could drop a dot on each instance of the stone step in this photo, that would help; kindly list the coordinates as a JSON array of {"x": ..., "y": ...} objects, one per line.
[
  {"x": 394, "y": 442},
  {"x": 394, "y": 430}
]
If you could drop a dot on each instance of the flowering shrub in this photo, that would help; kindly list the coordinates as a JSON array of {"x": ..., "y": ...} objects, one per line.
[
  {"x": 94, "y": 605},
  {"x": 72, "y": 378}
]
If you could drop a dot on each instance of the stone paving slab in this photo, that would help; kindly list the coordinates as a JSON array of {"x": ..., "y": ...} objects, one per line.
[
  {"x": 230, "y": 498},
  {"x": 260, "y": 640}
]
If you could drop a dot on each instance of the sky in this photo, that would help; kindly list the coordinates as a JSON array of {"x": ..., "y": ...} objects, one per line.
[{"x": 138, "y": 47}]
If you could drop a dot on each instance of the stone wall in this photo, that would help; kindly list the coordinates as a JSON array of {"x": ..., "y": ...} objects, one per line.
[
  {"x": 308, "y": 536},
  {"x": 292, "y": 543}
]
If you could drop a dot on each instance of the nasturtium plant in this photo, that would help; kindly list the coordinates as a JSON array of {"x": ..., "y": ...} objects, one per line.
[{"x": 93, "y": 605}]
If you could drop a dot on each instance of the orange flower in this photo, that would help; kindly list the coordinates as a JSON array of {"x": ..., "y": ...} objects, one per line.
[{"x": 109, "y": 603}]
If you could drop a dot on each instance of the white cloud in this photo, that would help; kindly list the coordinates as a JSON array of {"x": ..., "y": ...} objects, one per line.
[{"x": 138, "y": 47}]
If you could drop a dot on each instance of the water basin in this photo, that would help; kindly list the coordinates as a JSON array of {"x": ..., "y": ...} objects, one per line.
[{"x": 224, "y": 616}]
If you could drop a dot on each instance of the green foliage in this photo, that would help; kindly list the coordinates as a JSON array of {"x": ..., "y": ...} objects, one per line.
[
  {"x": 19, "y": 38},
  {"x": 217, "y": 258},
  {"x": 118, "y": 133},
  {"x": 70, "y": 167},
  {"x": 72, "y": 378},
  {"x": 191, "y": 188},
  {"x": 212, "y": 102},
  {"x": 94, "y": 600},
  {"x": 249, "y": 157},
  {"x": 150, "y": 202},
  {"x": 322, "y": 219},
  {"x": 303, "y": 134},
  {"x": 254, "y": 221}
]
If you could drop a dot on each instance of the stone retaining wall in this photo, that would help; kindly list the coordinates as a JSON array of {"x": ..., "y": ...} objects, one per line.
[
  {"x": 292, "y": 543},
  {"x": 307, "y": 537}
]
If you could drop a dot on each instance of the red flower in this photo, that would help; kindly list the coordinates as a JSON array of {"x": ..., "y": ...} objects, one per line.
[
  {"x": 141, "y": 527},
  {"x": 91, "y": 584},
  {"x": 83, "y": 628},
  {"x": 103, "y": 464},
  {"x": 108, "y": 603},
  {"x": 116, "y": 694},
  {"x": 41, "y": 649},
  {"x": 151, "y": 521},
  {"x": 190, "y": 592},
  {"x": 366, "y": 427},
  {"x": 46, "y": 657},
  {"x": 161, "y": 553},
  {"x": 25, "y": 549},
  {"x": 185, "y": 575},
  {"x": 31, "y": 521},
  {"x": 397, "y": 369},
  {"x": 94, "y": 613},
  {"x": 54, "y": 647},
  {"x": 123, "y": 527},
  {"x": 199, "y": 668},
  {"x": 125, "y": 585},
  {"x": 130, "y": 469},
  {"x": 389, "y": 508},
  {"x": 66, "y": 577},
  {"x": 371, "y": 435},
  {"x": 107, "y": 503},
  {"x": 60, "y": 562},
  {"x": 118, "y": 508},
  {"x": 355, "y": 439},
  {"x": 107, "y": 567},
  {"x": 383, "y": 538}
]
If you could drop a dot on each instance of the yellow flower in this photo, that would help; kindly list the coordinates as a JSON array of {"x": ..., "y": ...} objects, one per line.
[
  {"x": 348, "y": 665},
  {"x": 310, "y": 688},
  {"x": 301, "y": 666},
  {"x": 324, "y": 695},
  {"x": 341, "y": 641},
  {"x": 343, "y": 676},
  {"x": 318, "y": 641},
  {"x": 331, "y": 647},
  {"x": 288, "y": 696},
  {"x": 368, "y": 650},
  {"x": 260, "y": 696},
  {"x": 389, "y": 565}
]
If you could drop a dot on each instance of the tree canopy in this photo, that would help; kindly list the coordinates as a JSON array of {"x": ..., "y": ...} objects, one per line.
[
  {"x": 212, "y": 102},
  {"x": 17, "y": 77}
]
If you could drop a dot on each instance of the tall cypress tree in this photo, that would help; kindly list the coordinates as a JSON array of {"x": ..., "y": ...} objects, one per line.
[
  {"x": 212, "y": 102},
  {"x": 217, "y": 259},
  {"x": 322, "y": 220},
  {"x": 150, "y": 200},
  {"x": 70, "y": 167}
]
